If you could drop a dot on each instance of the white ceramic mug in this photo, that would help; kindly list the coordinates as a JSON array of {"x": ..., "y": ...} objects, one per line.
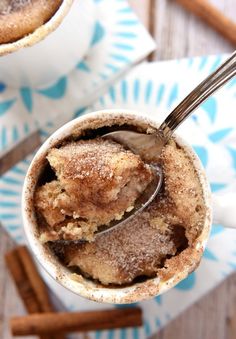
[
  {"x": 52, "y": 50},
  {"x": 84, "y": 287}
]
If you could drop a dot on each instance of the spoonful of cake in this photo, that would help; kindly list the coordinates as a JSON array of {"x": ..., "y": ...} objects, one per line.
[
  {"x": 100, "y": 183},
  {"x": 149, "y": 146}
]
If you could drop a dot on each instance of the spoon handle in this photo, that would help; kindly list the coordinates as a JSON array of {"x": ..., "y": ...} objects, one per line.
[{"x": 207, "y": 87}]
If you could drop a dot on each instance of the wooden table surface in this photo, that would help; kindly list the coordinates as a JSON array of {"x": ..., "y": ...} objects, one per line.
[{"x": 177, "y": 34}]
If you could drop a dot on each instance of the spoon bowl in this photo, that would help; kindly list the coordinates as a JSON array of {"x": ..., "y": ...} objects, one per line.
[
  {"x": 149, "y": 146},
  {"x": 141, "y": 203}
]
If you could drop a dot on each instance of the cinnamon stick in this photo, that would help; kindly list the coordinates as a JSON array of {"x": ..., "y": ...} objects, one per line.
[
  {"x": 46, "y": 323},
  {"x": 22, "y": 283},
  {"x": 211, "y": 15},
  {"x": 35, "y": 280},
  {"x": 37, "y": 284},
  {"x": 29, "y": 284}
]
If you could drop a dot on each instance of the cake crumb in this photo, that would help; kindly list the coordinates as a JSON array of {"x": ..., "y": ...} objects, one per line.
[{"x": 97, "y": 182}]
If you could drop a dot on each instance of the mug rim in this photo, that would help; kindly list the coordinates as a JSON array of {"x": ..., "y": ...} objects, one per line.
[
  {"x": 39, "y": 33},
  {"x": 83, "y": 287}
]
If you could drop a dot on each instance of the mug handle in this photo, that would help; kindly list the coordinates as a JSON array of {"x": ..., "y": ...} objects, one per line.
[{"x": 224, "y": 209}]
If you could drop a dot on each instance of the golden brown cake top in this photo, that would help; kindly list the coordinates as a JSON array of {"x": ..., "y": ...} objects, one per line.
[
  {"x": 142, "y": 246},
  {"x": 166, "y": 233},
  {"x": 97, "y": 181},
  {"x": 21, "y": 17}
]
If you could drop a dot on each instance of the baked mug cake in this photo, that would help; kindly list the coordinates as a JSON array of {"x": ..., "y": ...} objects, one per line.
[
  {"x": 79, "y": 182},
  {"x": 58, "y": 33}
]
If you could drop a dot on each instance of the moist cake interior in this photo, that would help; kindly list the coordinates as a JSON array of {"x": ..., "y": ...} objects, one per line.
[
  {"x": 97, "y": 182},
  {"x": 152, "y": 241}
]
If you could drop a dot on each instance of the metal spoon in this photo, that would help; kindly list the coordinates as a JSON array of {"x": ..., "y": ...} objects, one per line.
[{"x": 149, "y": 146}]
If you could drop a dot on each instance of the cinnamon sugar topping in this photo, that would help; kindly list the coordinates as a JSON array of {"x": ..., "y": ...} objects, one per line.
[{"x": 99, "y": 180}]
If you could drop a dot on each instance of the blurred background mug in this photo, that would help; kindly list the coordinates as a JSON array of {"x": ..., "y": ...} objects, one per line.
[{"x": 52, "y": 50}]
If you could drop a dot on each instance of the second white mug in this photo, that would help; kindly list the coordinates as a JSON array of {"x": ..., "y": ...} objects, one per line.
[{"x": 52, "y": 50}]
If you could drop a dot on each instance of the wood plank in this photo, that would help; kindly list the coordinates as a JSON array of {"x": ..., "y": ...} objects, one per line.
[
  {"x": 212, "y": 16},
  {"x": 180, "y": 34},
  {"x": 211, "y": 317},
  {"x": 142, "y": 8},
  {"x": 16, "y": 152}
]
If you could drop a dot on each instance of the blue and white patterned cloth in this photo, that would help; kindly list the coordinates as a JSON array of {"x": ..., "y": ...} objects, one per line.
[{"x": 154, "y": 89}]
